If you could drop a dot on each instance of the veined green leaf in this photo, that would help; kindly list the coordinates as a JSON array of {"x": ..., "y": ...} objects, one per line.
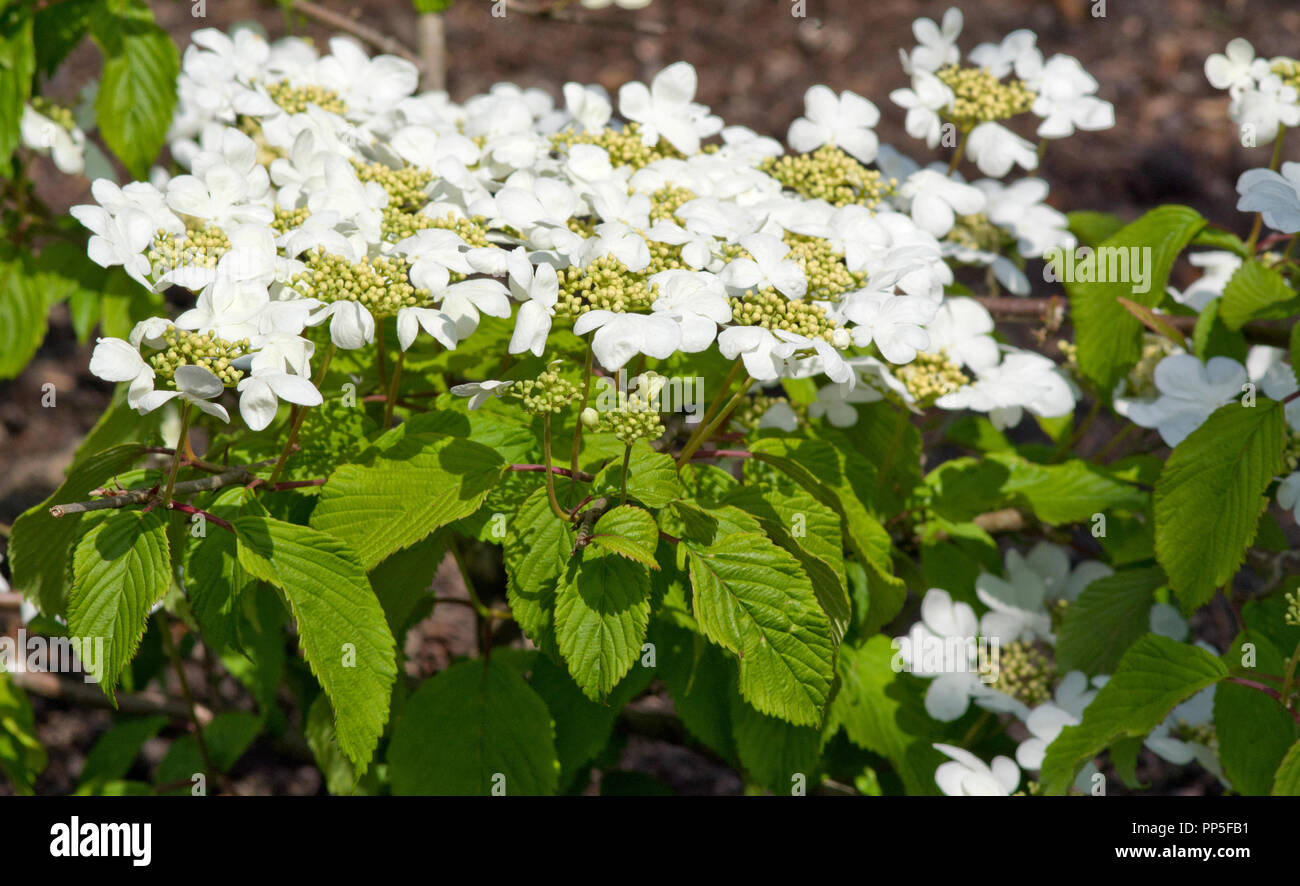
[
  {"x": 602, "y": 610},
  {"x": 630, "y": 532}
]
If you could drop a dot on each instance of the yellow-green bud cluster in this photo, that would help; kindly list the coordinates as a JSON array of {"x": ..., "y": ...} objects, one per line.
[
  {"x": 548, "y": 393},
  {"x": 59, "y": 114},
  {"x": 981, "y": 97},
  {"x": 1291, "y": 454},
  {"x": 380, "y": 283},
  {"x": 287, "y": 219},
  {"x": 181, "y": 348},
  {"x": 406, "y": 187},
  {"x": 631, "y": 426},
  {"x": 636, "y": 414},
  {"x": 1024, "y": 672},
  {"x": 1056, "y": 610},
  {"x": 771, "y": 310},
  {"x": 830, "y": 174},
  {"x": 1293, "y": 609},
  {"x": 1289, "y": 70},
  {"x": 665, "y": 257},
  {"x": 751, "y": 412},
  {"x": 823, "y": 266},
  {"x": 930, "y": 376},
  {"x": 976, "y": 232},
  {"x": 1202, "y": 734},
  {"x": 625, "y": 148},
  {"x": 1142, "y": 378},
  {"x": 197, "y": 247},
  {"x": 667, "y": 200},
  {"x": 295, "y": 99},
  {"x": 606, "y": 284}
]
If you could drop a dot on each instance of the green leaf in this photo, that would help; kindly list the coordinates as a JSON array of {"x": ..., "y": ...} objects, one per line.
[
  {"x": 883, "y": 710},
  {"x": 397, "y": 497},
  {"x": 1070, "y": 492},
  {"x": 1108, "y": 336},
  {"x": 753, "y": 598},
  {"x": 1154, "y": 676},
  {"x": 629, "y": 532},
  {"x": 120, "y": 568},
  {"x": 215, "y": 582},
  {"x": 700, "y": 679},
  {"x": 111, "y": 757},
  {"x": 651, "y": 477},
  {"x": 1109, "y": 617},
  {"x": 1210, "y": 495},
  {"x": 602, "y": 610},
  {"x": 17, "y": 64},
  {"x": 1286, "y": 783},
  {"x": 59, "y": 28},
  {"x": 537, "y": 549},
  {"x": 1217, "y": 238},
  {"x": 23, "y": 309},
  {"x": 582, "y": 726},
  {"x": 137, "y": 89},
  {"x": 1093, "y": 228},
  {"x": 1212, "y": 338},
  {"x": 341, "y": 626},
  {"x": 774, "y": 753},
  {"x": 475, "y": 729},
  {"x": 22, "y": 758},
  {"x": 1253, "y": 730},
  {"x": 1256, "y": 293}
]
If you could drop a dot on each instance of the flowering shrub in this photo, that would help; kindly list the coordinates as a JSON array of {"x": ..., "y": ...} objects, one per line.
[{"x": 665, "y": 381}]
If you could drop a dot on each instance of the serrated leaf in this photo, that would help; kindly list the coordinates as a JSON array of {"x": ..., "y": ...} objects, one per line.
[
  {"x": 1109, "y": 616},
  {"x": 630, "y": 532},
  {"x": 1212, "y": 338},
  {"x": 1286, "y": 782},
  {"x": 1255, "y": 292},
  {"x": 19, "y": 62},
  {"x": 651, "y": 477},
  {"x": 1093, "y": 228},
  {"x": 537, "y": 548},
  {"x": 341, "y": 626},
  {"x": 602, "y": 610},
  {"x": 1253, "y": 730},
  {"x": 883, "y": 711},
  {"x": 399, "y": 496},
  {"x": 473, "y": 728},
  {"x": 1154, "y": 676},
  {"x": 753, "y": 598},
  {"x": 23, "y": 308},
  {"x": 120, "y": 568},
  {"x": 1070, "y": 492},
  {"x": 1108, "y": 336},
  {"x": 22, "y": 758},
  {"x": 775, "y": 754},
  {"x": 137, "y": 88},
  {"x": 1210, "y": 495}
]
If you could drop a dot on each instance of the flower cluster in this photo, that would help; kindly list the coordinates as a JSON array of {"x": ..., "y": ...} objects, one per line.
[
  {"x": 324, "y": 188},
  {"x": 1021, "y": 614}
]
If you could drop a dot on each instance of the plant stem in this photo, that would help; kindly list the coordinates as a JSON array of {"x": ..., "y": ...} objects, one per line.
[
  {"x": 550, "y": 472},
  {"x": 958, "y": 154},
  {"x": 1273, "y": 165},
  {"x": 296, "y": 421},
  {"x": 169, "y": 645},
  {"x": 181, "y": 445},
  {"x": 577, "y": 429},
  {"x": 716, "y": 402},
  {"x": 1288, "y": 679},
  {"x": 627, "y": 458},
  {"x": 722, "y": 415},
  {"x": 392, "y": 390}
]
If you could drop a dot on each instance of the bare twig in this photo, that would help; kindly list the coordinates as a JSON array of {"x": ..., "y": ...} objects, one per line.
[
  {"x": 90, "y": 695},
  {"x": 231, "y": 477},
  {"x": 554, "y": 12},
  {"x": 432, "y": 33},
  {"x": 342, "y": 22}
]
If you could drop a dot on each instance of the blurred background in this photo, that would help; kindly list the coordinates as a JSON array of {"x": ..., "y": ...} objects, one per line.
[{"x": 1172, "y": 143}]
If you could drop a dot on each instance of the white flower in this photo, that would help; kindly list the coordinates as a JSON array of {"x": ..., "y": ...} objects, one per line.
[
  {"x": 1196, "y": 711},
  {"x": 1190, "y": 391},
  {"x": 1000, "y": 59},
  {"x": 668, "y": 110},
  {"x": 962, "y": 329},
  {"x": 258, "y": 393},
  {"x": 763, "y": 354},
  {"x": 116, "y": 360},
  {"x": 969, "y": 776},
  {"x": 539, "y": 289},
  {"x": 1065, "y": 99},
  {"x": 352, "y": 326},
  {"x": 945, "y": 626},
  {"x": 996, "y": 149},
  {"x": 836, "y": 402},
  {"x": 696, "y": 301},
  {"x": 1021, "y": 208},
  {"x": 928, "y": 96},
  {"x": 1266, "y": 107},
  {"x": 1046, "y": 721},
  {"x": 119, "y": 239},
  {"x": 845, "y": 122},
  {"x": 937, "y": 200},
  {"x": 1273, "y": 195},
  {"x": 589, "y": 107},
  {"x": 1237, "y": 69},
  {"x": 480, "y": 392},
  {"x": 938, "y": 46},
  {"x": 768, "y": 266},
  {"x": 1022, "y": 381},
  {"x": 894, "y": 323},
  {"x": 1017, "y": 604},
  {"x": 620, "y": 337},
  {"x": 66, "y": 147},
  {"x": 1219, "y": 268}
]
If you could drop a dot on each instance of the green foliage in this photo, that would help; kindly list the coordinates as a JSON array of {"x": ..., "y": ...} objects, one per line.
[
  {"x": 1210, "y": 496},
  {"x": 1108, "y": 618},
  {"x": 602, "y": 610},
  {"x": 1256, "y": 292}
]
